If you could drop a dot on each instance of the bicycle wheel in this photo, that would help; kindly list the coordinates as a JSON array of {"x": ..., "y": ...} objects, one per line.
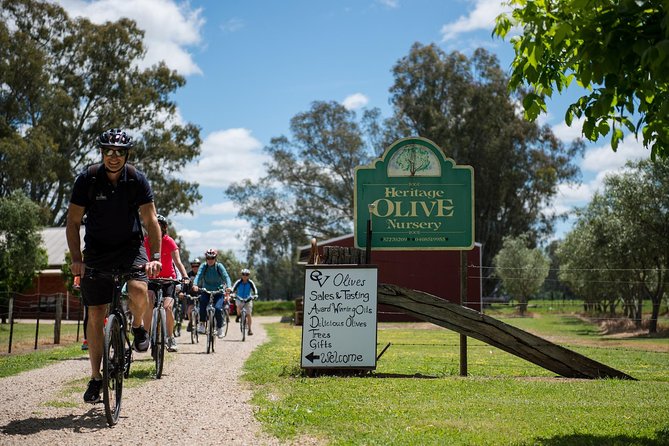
[
  {"x": 176, "y": 309},
  {"x": 193, "y": 331},
  {"x": 226, "y": 322},
  {"x": 211, "y": 332},
  {"x": 242, "y": 324},
  {"x": 112, "y": 369},
  {"x": 161, "y": 343}
]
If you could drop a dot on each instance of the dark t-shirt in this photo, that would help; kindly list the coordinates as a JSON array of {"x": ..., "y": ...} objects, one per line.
[{"x": 112, "y": 223}]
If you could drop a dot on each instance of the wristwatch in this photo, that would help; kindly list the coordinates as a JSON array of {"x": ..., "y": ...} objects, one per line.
[{"x": 156, "y": 256}]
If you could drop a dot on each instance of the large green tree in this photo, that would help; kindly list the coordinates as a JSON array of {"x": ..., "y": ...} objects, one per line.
[
  {"x": 618, "y": 50},
  {"x": 64, "y": 81},
  {"x": 463, "y": 104},
  {"x": 521, "y": 268},
  {"x": 21, "y": 253},
  {"x": 307, "y": 192}
]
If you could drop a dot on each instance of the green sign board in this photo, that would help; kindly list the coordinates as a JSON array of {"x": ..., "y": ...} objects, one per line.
[{"x": 415, "y": 198}]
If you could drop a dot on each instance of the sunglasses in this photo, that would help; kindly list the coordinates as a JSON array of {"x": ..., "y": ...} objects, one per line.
[
  {"x": 121, "y": 153},
  {"x": 245, "y": 274},
  {"x": 211, "y": 258}
]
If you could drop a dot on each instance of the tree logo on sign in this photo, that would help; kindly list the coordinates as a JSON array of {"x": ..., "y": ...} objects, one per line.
[{"x": 414, "y": 160}]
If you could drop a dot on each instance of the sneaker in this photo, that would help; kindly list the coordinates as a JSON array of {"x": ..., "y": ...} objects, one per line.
[
  {"x": 237, "y": 319},
  {"x": 141, "y": 341},
  {"x": 84, "y": 346},
  {"x": 172, "y": 345},
  {"x": 92, "y": 394},
  {"x": 201, "y": 329},
  {"x": 250, "y": 333},
  {"x": 219, "y": 332}
]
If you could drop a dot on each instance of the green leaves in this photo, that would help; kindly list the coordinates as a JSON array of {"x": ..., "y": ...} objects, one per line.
[
  {"x": 617, "y": 50},
  {"x": 65, "y": 81}
]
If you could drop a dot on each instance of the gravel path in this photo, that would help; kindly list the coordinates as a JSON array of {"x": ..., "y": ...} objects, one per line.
[{"x": 45, "y": 406}]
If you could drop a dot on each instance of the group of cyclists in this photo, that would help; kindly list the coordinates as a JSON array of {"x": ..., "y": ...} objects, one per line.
[{"x": 117, "y": 204}]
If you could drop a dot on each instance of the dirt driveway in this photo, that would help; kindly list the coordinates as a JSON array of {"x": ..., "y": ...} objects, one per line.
[{"x": 194, "y": 401}]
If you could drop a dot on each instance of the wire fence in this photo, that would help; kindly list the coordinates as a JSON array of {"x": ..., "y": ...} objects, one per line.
[{"x": 39, "y": 320}]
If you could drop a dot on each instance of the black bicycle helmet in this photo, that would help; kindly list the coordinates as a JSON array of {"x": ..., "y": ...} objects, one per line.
[
  {"x": 162, "y": 221},
  {"x": 115, "y": 138}
]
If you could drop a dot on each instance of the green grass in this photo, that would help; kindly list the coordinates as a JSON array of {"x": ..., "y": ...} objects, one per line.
[
  {"x": 17, "y": 363},
  {"x": 274, "y": 308},
  {"x": 415, "y": 395},
  {"x": 23, "y": 337}
]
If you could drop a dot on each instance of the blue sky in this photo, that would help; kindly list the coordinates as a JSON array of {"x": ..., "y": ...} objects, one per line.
[{"x": 251, "y": 65}]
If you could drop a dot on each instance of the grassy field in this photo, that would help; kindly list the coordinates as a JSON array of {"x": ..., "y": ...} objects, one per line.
[{"x": 416, "y": 397}]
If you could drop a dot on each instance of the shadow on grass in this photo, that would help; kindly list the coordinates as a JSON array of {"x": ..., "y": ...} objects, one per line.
[
  {"x": 661, "y": 438},
  {"x": 94, "y": 419}
]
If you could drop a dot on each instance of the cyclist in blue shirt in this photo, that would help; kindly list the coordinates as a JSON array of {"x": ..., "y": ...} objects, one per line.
[
  {"x": 212, "y": 276},
  {"x": 245, "y": 291}
]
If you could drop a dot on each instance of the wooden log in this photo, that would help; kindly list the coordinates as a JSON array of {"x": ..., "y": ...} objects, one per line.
[{"x": 479, "y": 326}]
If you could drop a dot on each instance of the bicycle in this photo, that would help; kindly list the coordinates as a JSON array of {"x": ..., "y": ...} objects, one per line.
[
  {"x": 178, "y": 317},
  {"x": 194, "y": 319},
  {"x": 159, "y": 324},
  {"x": 211, "y": 320},
  {"x": 117, "y": 353},
  {"x": 242, "y": 315}
]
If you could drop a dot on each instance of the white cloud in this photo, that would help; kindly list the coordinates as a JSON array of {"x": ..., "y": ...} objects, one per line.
[
  {"x": 226, "y": 207},
  {"x": 481, "y": 18},
  {"x": 223, "y": 238},
  {"x": 568, "y": 133},
  {"x": 355, "y": 101},
  {"x": 233, "y": 25},
  {"x": 605, "y": 159},
  {"x": 228, "y": 156},
  {"x": 390, "y": 3},
  {"x": 169, "y": 27},
  {"x": 598, "y": 163}
]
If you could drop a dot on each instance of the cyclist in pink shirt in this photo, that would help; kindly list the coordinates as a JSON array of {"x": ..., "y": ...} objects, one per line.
[{"x": 169, "y": 255}]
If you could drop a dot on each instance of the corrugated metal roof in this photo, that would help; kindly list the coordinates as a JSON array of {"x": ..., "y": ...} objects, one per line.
[{"x": 55, "y": 243}]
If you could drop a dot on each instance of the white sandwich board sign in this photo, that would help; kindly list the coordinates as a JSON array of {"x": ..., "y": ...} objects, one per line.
[{"x": 340, "y": 307}]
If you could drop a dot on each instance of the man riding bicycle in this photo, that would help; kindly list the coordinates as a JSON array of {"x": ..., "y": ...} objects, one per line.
[
  {"x": 212, "y": 276},
  {"x": 116, "y": 199},
  {"x": 245, "y": 291},
  {"x": 194, "y": 266},
  {"x": 169, "y": 257}
]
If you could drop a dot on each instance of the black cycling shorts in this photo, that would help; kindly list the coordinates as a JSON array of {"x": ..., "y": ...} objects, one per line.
[{"x": 98, "y": 289}]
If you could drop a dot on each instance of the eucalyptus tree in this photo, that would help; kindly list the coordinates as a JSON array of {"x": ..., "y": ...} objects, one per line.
[
  {"x": 463, "y": 104},
  {"x": 522, "y": 269},
  {"x": 63, "y": 81},
  {"x": 618, "y": 50},
  {"x": 307, "y": 192}
]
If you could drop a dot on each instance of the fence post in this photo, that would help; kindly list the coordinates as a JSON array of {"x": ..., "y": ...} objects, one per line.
[
  {"x": 78, "y": 321},
  {"x": 463, "y": 302},
  {"x": 11, "y": 322},
  {"x": 39, "y": 308},
  {"x": 59, "y": 317}
]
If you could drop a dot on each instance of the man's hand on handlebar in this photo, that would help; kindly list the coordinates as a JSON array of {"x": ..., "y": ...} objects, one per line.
[{"x": 153, "y": 268}]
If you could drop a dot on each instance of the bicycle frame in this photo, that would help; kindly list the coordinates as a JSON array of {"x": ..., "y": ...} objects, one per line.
[
  {"x": 117, "y": 351},
  {"x": 211, "y": 312}
]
